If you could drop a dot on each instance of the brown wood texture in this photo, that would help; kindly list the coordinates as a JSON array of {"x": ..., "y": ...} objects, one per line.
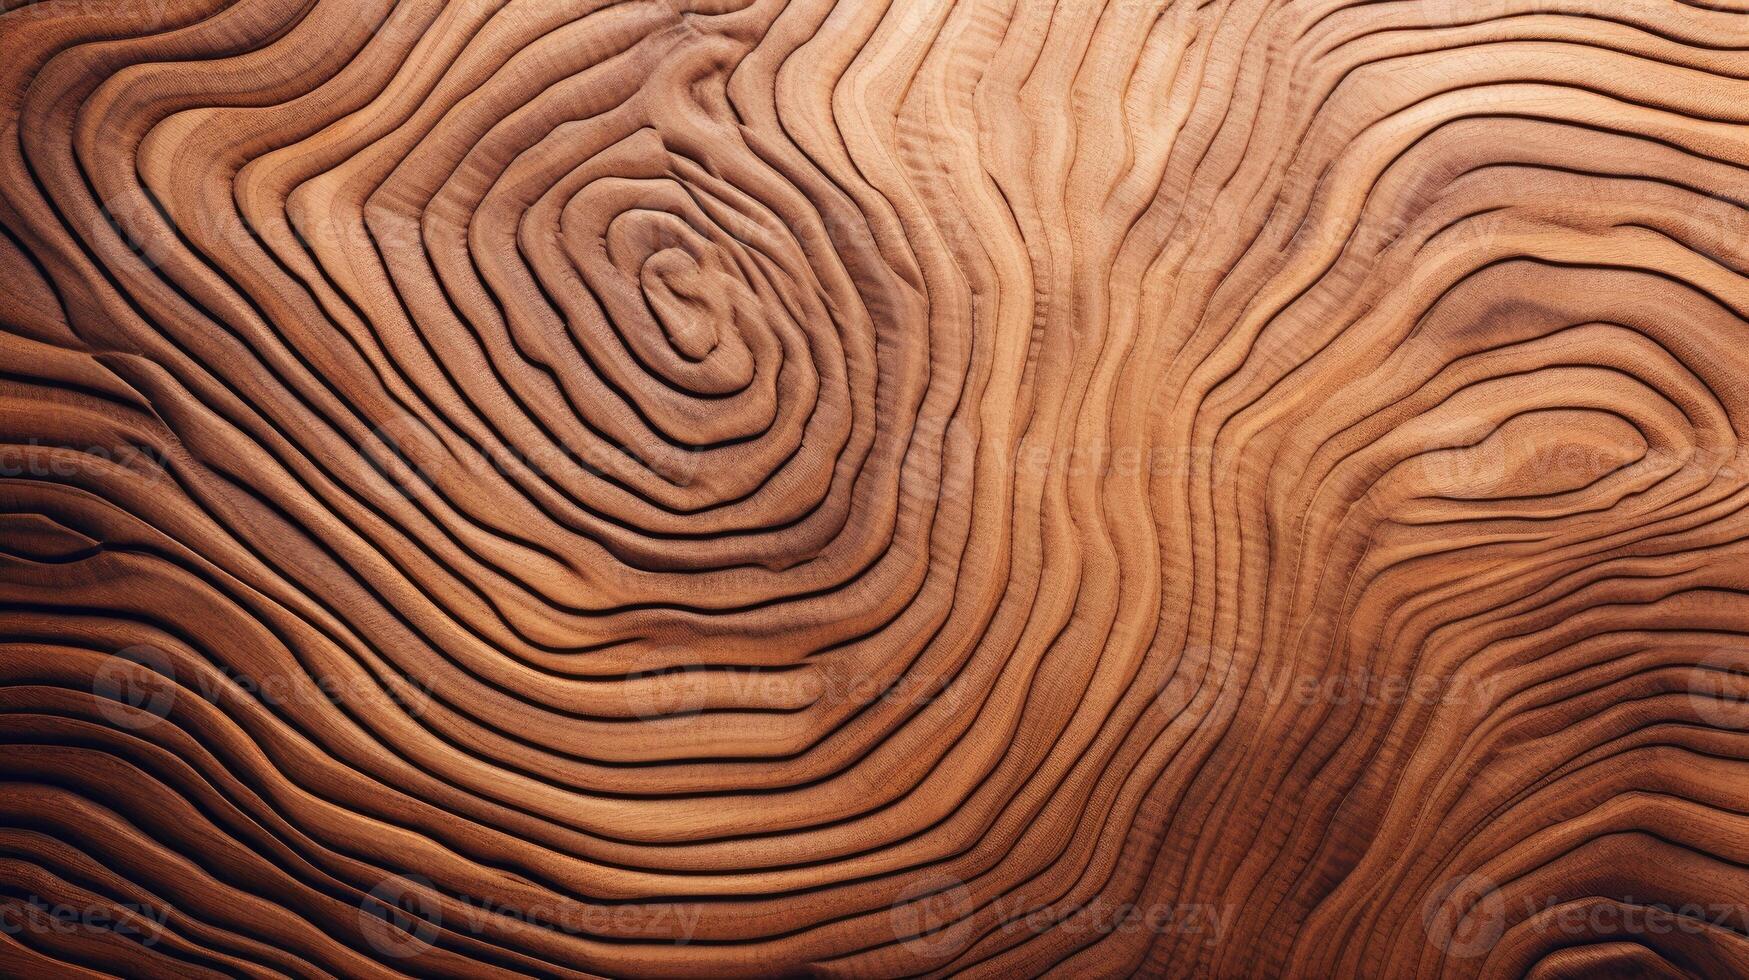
[{"x": 1231, "y": 488}]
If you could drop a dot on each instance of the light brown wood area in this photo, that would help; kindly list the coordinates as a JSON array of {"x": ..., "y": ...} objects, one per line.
[{"x": 710, "y": 488}]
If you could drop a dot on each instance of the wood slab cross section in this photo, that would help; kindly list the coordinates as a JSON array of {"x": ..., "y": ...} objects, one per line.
[{"x": 874, "y": 488}]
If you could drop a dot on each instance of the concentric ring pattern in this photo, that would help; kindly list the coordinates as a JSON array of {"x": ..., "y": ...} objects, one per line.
[{"x": 757, "y": 487}]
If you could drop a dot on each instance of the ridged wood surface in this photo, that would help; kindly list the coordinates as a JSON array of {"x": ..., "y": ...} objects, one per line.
[{"x": 702, "y": 488}]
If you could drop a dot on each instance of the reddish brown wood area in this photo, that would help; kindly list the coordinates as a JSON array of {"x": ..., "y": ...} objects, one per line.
[{"x": 707, "y": 488}]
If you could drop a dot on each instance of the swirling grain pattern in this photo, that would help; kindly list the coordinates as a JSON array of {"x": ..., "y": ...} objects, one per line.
[{"x": 700, "y": 488}]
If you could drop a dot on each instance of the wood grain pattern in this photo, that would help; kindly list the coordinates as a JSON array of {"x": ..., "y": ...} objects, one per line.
[{"x": 1226, "y": 488}]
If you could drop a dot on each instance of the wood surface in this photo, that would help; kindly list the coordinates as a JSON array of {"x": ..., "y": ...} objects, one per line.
[{"x": 706, "y": 488}]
